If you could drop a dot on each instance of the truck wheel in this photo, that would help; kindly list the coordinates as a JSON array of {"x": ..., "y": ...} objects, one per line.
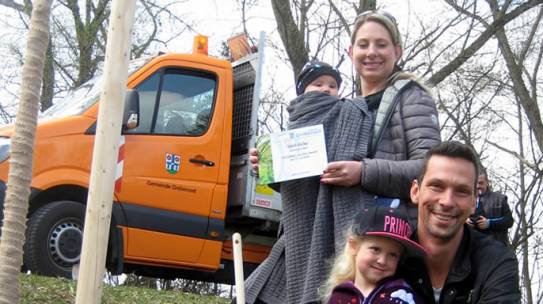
[{"x": 54, "y": 238}]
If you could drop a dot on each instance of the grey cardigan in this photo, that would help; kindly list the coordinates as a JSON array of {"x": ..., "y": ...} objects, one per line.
[
  {"x": 411, "y": 128},
  {"x": 315, "y": 216}
]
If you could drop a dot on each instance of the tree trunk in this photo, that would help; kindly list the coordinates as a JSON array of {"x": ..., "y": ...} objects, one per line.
[
  {"x": 292, "y": 37},
  {"x": 531, "y": 108},
  {"x": 22, "y": 148},
  {"x": 524, "y": 227},
  {"x": 48, "y": 86}
]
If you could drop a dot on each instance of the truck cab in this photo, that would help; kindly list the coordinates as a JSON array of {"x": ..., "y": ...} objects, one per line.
[{"x": 186, "y": 181}]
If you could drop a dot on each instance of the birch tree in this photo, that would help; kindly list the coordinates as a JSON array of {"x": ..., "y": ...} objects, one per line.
[{"x": 22, "y": 143}]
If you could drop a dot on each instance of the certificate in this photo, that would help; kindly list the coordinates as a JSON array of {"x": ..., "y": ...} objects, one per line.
[{"x": 295, "y": 154}]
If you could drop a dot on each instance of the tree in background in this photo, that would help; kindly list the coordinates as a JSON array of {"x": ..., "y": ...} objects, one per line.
[
  {"x": 77, "y": 45},
  {"x": 492, "y": 102},
  {"x": 22, "y": 148}
]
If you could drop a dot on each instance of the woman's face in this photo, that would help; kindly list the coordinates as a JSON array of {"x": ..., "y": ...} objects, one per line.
[{"x": 374, "y": 54}]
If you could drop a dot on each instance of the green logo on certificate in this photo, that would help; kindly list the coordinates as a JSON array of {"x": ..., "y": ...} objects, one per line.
[{"x": 292, "y": 154}]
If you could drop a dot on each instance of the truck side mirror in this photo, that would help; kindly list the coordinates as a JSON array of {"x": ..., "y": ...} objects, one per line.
[{"x": 131, "y": 116}]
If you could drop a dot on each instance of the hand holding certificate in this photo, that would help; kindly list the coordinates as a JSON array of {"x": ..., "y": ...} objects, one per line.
[{"x": 292, "y": 154}]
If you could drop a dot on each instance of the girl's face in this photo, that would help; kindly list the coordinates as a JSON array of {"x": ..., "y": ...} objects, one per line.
[
  {"x": 374, "y": 54},
  {"x": 325, "y": 84},
  {"x": 376, "y": 258}
]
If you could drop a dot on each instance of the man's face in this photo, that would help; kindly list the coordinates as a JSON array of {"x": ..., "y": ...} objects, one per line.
[
  {"x": 482, "y": 184},
  {"x": 445, "y": 198}
]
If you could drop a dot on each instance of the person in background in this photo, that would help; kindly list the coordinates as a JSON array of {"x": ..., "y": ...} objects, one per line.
[
  {"x": 461, "y": 264},
  {"x": 364, "y": 273},
  {"x": 492, "y": 215}
]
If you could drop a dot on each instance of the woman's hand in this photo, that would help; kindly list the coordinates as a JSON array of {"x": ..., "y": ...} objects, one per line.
[
  {"x": 253, "y": 159},
  {"x": 342, "y": 173}
]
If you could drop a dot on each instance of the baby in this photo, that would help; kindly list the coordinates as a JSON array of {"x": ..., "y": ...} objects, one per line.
[{"x": 318, "y": 76}]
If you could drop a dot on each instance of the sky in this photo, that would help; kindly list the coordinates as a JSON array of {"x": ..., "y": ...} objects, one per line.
[{"x": 221, "y": 19}]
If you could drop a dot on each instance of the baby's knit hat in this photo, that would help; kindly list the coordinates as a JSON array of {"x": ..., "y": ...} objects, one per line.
[{"x": 311, "y": 71}]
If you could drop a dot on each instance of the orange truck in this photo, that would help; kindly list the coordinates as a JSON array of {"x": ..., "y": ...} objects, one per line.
[{"x": 187, "y": 185}]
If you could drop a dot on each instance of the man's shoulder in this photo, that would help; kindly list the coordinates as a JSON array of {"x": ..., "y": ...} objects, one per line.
[
  {"x": 494, "y": 195},
  {"x": 486, "y": 251},
  {"x": 493, "y": 269}
]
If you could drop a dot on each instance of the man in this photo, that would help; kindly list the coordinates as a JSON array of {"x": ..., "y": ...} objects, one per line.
[
  {"x": 462, "y": 265},
  {"x": 492, "y": 215}
]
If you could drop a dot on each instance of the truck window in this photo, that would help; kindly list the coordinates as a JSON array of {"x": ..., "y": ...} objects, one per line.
[
  {"x": 80, "y": 99},
  {"x": 182, "y": 106}
]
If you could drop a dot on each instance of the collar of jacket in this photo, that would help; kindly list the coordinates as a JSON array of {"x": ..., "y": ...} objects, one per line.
[
  {"x": 349, "y": 290},
  {"x": 461, "y": 266}
]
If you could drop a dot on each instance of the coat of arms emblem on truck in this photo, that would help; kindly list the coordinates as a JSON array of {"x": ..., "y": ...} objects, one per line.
[{"x": 172, "y": 163}]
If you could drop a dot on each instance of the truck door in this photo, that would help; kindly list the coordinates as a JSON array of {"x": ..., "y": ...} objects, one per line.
[{"x": 171, "y": 164}]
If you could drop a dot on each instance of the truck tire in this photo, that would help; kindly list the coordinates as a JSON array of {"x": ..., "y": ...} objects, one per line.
[{"x": 54, "y": 237}]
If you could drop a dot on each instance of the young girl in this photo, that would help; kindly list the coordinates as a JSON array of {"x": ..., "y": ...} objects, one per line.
[{"x": 364, "y": 272}]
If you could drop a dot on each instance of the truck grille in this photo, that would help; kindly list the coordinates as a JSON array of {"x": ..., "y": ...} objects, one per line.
[
  {"x": 244, "y": 79},
  {"x": 241, "y": 125}
]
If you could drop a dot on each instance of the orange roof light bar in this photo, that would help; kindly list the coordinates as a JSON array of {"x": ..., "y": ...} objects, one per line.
[{"x": 200, "y": 45}]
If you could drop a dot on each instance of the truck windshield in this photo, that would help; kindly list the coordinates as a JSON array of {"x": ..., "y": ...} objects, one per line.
[{"x": 80, "y": 99}]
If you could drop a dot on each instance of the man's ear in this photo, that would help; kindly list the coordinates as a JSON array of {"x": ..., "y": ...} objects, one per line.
[{"x": 415, "y": 192}]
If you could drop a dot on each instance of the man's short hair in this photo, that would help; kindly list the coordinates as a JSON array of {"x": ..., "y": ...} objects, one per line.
[
  {"x": 453, "y": 149},
  {"x": 482, "y": 171}
]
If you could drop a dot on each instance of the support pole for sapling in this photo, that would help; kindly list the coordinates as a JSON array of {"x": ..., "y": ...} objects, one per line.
[
  {"x": 238, "y": 268},
  {"x": 106, "y": 146}
]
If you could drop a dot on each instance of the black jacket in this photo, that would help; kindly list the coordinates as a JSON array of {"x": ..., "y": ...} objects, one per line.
[
  {"x": 483, "y": 272},
  {"x": 494, "y": 207}
]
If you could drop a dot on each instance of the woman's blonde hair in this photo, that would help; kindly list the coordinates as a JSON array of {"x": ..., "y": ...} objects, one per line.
[
  {"x": 383, "y": 18},
  {"x": 390, "y": 24},
  {"x": 343, "y": 267}
]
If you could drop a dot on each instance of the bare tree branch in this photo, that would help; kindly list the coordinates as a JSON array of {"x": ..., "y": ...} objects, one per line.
[{"x": 490, "y": 31}]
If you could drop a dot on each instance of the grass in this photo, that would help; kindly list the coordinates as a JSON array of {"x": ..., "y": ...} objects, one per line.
[{"x": 46, "y": 290}]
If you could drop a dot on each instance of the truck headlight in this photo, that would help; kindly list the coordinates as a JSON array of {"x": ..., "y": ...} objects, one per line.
[{"x": 5, "y": 142}]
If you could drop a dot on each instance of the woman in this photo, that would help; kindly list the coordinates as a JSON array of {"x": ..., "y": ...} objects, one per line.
[
  {"x": 403, "y": 130},
  {"x": 411, "y": 128}
]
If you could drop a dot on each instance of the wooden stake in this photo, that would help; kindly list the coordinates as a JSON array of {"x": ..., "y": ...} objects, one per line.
[
  {"x": 106, "y": 146},
  {"x": 238, "y": 268}
]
